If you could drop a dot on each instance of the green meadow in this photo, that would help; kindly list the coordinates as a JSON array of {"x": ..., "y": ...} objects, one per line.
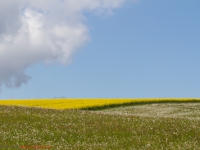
[{"x": 151, "y": 126}]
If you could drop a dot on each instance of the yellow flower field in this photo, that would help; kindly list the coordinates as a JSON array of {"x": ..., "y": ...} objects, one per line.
[{"x": 81, "y": 103}]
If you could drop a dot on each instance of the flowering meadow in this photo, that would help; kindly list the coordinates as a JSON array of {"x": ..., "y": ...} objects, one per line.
[{"x": 154, "y": 124}]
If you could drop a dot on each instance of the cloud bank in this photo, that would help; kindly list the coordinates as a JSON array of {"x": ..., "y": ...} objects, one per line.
[{"x": 42, "y": 31}]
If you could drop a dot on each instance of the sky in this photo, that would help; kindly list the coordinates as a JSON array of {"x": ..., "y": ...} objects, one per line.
[{"x": 99, "y": 49}]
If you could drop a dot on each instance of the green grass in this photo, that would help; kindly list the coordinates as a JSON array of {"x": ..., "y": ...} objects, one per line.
[{"x": 130, "y": 127}]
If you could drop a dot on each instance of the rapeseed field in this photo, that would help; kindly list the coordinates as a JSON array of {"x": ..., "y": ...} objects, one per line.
[{"x": 88, "y": 103}]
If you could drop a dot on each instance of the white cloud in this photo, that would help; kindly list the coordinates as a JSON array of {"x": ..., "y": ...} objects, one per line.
[{"x": 36, "y": 31}]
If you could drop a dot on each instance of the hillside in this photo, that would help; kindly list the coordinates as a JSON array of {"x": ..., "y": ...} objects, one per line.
[{"x": 150, "y": 126}]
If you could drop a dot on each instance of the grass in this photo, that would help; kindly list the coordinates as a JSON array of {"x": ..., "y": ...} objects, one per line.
[{"x": 150, "y": 126}]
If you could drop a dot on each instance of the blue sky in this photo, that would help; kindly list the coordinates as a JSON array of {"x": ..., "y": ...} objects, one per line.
[{"x": 144, "y": 49}]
